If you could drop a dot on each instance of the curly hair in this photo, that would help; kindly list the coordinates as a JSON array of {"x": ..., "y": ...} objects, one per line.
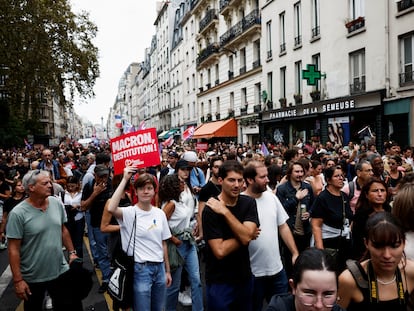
[{"x": 169, "y": 188}]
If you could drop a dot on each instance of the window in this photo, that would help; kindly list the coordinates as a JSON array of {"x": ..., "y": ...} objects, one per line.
[
  {"x": 316, "y": 60},
  {"x": 257, "y": 93},
  {"x": 315, "y": 19},
  {"x": 357, "y": 71},
  {"x": 270, "y": 86},
  {"x": 269, "y": 39},
  {"x": 282, "y": 32},
  {"x": 356, "y": 9},
  {"x": 242, "y": 61},
  {"x": 298, "y": 77},
  {"x": 231, "y": 72},
  {"x": 231, "y": 101},
  {"x": 283, "y": 82},
  {"x": 407, "y": 56},
  {"x": 243, "y": 96},
  {"x": 217, "y": 74},
  {"x": 297, "y": 24}
]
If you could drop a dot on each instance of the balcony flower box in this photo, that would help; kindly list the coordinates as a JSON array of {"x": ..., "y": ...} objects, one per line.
[
  {"x": 297, "y": 98},
  {"x": 282, "y": 102},
  {"x": 315, "y": 95}
]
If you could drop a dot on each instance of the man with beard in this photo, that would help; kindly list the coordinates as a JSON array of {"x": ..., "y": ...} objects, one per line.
[
  {"x": 210, "y": 190},
  {"x": 296, "y": 197},
  {"x": 230, "y": 222},
  {"x": 269, "y": 275}
]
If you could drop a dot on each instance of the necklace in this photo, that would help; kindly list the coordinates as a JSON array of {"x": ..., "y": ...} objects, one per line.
[{"x": 387, "y": 282}]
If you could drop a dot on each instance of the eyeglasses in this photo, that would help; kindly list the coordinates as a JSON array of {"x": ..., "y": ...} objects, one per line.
[
  {"x": 339, "y": 176},
  {"x": 308, "y": 299}
]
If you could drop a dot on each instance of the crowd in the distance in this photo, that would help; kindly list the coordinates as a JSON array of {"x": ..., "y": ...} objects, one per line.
[{"x": 248, "y": 213}]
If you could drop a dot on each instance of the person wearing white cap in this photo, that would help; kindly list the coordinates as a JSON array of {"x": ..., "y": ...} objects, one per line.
[{"x": 197, "y": 178}]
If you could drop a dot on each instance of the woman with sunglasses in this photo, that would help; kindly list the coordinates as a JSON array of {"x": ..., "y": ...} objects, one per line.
[
  {"x": 332, "y": 216},
  {"x": 385, "y": 280},
  {"x": 314, "y": 284}
]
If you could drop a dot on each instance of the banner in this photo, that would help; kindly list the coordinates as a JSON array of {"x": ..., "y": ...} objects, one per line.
[
  {"x": 188, "y": 133},
  {"x": 339, "y": 131},
  {"x": 139, "y": 149},
  {"x": 142, "y": 126}
]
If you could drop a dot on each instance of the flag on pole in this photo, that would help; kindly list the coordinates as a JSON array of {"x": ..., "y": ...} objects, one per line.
[
  {"x": 264, "y": 150},
  {"x": 27, "y": 144},
  {"x": 188, "y": 133},
  {"x": 118, "y": 121},
  {"x": 169, "y": 142},
  {"x": 142, "y": 126},
  {"x": 128, "y": 127}
]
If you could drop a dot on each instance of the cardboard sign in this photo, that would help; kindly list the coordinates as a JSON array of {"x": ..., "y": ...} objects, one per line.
[
  {"x": 139, "y": 149},
  {"x": 201, "y": 146}
]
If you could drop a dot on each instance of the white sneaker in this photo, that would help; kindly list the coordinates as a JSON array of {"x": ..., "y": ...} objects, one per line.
[
  {"x": 48, "y": 303},
  {"x": 3, "y": 246},
  {"x": 185, "y": 298}
]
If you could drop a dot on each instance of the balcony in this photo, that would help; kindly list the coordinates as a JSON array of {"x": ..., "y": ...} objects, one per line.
[
  {"x": 357, "y": 88},
  {"x": 404, "y": 5},
  {"x": 227, "y": 5},
  {"x": 406, "y": 78},
  {"x": 250, "y": 24},
  {"x": 257, "y": 108},
  {"x": 217, "y": 82},
  {"x": 195, "y": 4},
  {"x": 209, "y": 20},
  {"x": 242, "y": 70},
  {"x": 282, "y": 48},
  {"x": 230, "y": 74},
  {"x": 316, "y": 31},
  {"x": 269, "y": 54},
  {"x": 256, "y": 64},
  {"x": 243, "y": 111},
  {"x": 298, "y": 41},
  {"x": 207, "y": 55},
  {"x": 208, "y": 86},
  {"x": 355, "y": 24}
]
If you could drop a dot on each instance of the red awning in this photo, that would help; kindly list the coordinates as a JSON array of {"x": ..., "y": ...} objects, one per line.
[{"x": 225, "y": 128}]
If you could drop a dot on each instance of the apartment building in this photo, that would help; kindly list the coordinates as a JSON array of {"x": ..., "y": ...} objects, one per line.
[{"x": 352, "y": 76}]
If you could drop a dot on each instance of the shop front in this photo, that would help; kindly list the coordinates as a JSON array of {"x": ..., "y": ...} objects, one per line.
[{"x": 353, "y": 118}]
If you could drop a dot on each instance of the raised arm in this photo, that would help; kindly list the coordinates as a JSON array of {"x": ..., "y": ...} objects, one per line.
[{"x": 113, "y": 206}]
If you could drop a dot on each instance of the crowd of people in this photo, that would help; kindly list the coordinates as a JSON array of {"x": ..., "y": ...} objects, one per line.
[{"x": 284, "y": 227}]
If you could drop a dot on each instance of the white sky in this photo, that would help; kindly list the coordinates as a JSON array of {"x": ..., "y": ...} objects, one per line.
[{"x": 125, "y": 29}]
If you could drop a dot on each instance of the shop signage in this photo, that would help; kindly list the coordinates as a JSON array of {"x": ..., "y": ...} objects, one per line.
[{"x": 311, "y": 109}]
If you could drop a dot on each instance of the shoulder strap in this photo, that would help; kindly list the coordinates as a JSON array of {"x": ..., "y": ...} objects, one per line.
[
  {"x": 356, "y": 270},
  {"x": 351, "y": 185}
]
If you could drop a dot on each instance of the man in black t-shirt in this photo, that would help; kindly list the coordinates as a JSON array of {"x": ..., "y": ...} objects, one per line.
[
  {"x": 230, "y": 222},
  {"x": 211, "y": 190},
  {"x": 94, "y": 197}
]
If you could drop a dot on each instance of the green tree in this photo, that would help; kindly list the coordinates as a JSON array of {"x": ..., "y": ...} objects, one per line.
[{"x": 45, "y": 49}]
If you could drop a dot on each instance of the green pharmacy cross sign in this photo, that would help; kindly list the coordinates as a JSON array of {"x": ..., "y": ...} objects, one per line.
[{"x": 311, "y": 74}]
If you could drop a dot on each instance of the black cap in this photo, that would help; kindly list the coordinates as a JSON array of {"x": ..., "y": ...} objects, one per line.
[
  {"x": 173, "y": 154},
  {"x": 101, "y": 170},
  {"x": 183, "y": 164}
]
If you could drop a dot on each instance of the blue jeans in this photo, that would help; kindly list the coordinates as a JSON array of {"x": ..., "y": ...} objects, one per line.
[
  {"x": 266, "y": 286},
  {"x": 101, "y": 240},
  {"x": 149, "y": 286},
  {"x": 189, "y": 253},
  {"x": 91, "y": 238},
  {"x": 229, "y": 297}
]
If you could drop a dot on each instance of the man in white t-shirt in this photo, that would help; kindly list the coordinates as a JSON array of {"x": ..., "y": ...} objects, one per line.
[{"x": 269, "y": 275}]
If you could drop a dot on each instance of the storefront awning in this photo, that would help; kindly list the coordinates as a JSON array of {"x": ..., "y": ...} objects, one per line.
[
  {"x": 163, "y": 134},
  {"x": 172, "y": 132},
  {"x": 225, "y": 128}
]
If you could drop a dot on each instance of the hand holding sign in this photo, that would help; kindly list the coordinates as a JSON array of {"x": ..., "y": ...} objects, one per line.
[{"x": 139, "y": 149}]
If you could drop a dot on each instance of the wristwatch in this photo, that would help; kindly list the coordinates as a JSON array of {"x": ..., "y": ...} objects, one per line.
[{"x": 72, "y": 252}]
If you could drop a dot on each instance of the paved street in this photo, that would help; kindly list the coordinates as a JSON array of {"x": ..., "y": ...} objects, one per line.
[{"x": 95, "y": 301}]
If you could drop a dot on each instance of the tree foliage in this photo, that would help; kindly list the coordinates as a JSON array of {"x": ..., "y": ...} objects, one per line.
[{"x": 45, "y": 49}]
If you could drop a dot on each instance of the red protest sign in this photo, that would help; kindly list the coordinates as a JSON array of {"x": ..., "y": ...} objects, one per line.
[{"x": 139, "y": 149}]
